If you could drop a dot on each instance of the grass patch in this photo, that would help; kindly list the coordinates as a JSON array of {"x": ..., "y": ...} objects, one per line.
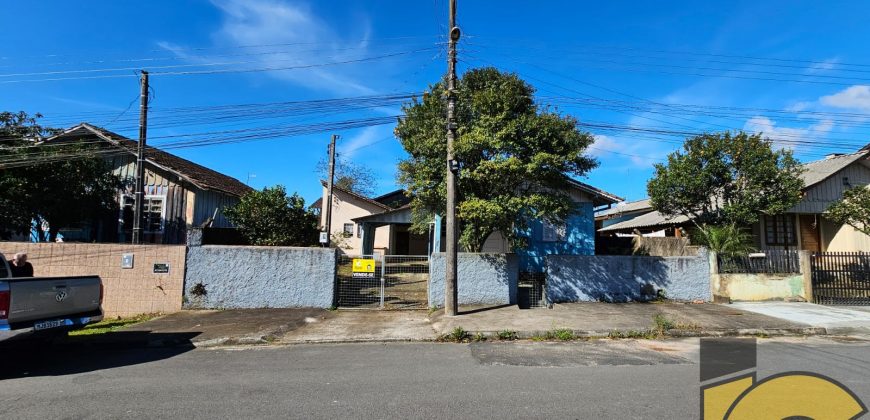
[
  {"x": 109, "y": 325},
  {"x": 458, "y": 335},
  {"x": 507, "y": 335},
  {"x": 561, "y": 334}
]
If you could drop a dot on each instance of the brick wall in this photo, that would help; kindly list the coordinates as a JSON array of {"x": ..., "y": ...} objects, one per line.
[{"x": 127, "y": 292}]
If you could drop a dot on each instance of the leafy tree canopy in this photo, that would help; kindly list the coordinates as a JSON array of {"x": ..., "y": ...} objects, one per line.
[
  {"x": 349, "y": 175},
  {"x": 725, "y": 179},
  {"x": 270, "y": 217},
  {"x": 853, "y": 209},
  {"x": 515, "y": 156},
  {"x": 62, "y": 184}
]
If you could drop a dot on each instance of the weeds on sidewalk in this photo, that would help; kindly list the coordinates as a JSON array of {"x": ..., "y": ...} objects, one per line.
[
  {"x": 507, "y": 335},
  {"x": 557, "y": 334},
  {"x": 458, "y": 335},
  {"x": 638, "y": 334},
  {"x": 109, "y": 325}
]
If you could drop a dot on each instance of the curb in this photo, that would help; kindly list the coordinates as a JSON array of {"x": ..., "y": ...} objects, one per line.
[{"x": 674, "y": 333}]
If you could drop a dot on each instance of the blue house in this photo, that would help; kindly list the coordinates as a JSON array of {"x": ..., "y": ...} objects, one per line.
[{"x": 576, "y": 236}]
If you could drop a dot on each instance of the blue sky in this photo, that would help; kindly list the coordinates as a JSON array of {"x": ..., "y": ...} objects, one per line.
[{"x": 641, "y": 73}]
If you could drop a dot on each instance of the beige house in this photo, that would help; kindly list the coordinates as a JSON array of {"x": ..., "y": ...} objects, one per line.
[
  {"x": 347, "y": 234},
  {"x": 803, "y": 227}
]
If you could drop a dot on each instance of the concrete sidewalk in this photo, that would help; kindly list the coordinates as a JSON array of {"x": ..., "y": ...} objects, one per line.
[
  {"x": 600, "y": 319},
  {"x": 843, "y": 320}
]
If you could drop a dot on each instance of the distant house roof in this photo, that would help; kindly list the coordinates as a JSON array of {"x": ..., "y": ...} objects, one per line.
[
  {"x": 317, "y": 204},
  {"x": 394, "y": 199},
  {"x": 624, "y": 208},
  {"x": 652, "y": 219},
  {"x": 360, "y": 197},
  {"x": 599, "y": 196},
  {"x": 198, "y": 175},
  {"x": 814, "y": 173}
]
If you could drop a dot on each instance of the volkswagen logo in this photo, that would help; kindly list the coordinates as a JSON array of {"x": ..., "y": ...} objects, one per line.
[{"x": 61, "y": 296}]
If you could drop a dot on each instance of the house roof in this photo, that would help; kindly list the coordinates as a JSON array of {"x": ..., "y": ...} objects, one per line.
[
  {"x": 317, "y": 204},
  {"x": 397, "y": 215},
  {"x": 644, "y": 221},
  {"x": 814, "y": 173},
  {"x": 198, "y": 175},
  {"x": 600, "y": 196},
  {"x": 360, "y": 197},
  {"x": 820, "y": 170},
  {"x": 626, "y": 207}
]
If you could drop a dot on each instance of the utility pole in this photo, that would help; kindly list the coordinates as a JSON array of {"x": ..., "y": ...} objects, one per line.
[
  {"x": 329, "y": 189},
  {"x": 451, "y": 295},
  {"x": 140, "y": 159}
]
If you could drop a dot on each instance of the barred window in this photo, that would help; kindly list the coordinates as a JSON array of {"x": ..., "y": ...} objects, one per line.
[{"x": 553, "y": 232}]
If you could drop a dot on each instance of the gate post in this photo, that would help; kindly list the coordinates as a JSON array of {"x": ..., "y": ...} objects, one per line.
[
  {"x": 807, "y": 273},
  {"x": 383, "y": 281}
]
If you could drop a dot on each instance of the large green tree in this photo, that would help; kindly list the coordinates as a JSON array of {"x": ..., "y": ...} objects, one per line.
[
  {"x": 61, "y": 184},
  {"x": 853, "y": 209},
  {"x": 724, "y": 179},
  {"x": 271, "y": 217},
  {"x": 515, "y": 156}
]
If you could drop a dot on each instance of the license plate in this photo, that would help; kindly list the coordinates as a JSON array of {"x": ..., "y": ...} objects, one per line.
[{"x": 44, "y": 325}]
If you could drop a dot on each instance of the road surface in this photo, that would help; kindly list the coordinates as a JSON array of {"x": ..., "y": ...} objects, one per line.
[{"x": 601, "y": 379}]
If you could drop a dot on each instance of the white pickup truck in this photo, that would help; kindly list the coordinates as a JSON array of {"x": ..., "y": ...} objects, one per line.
[{"x": 48, "y": 303}]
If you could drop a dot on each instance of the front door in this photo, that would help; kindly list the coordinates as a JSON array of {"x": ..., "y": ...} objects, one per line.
[{"x": 809, "y": 231}]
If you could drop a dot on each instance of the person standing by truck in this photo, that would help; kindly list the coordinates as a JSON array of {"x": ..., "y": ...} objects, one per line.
[{"x": 20, "y": 267}]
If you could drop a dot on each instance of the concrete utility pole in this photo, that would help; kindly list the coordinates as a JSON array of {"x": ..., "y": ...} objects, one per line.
[
  {"x": 140, "y": 159},
  {"x": 451, "y": 295},
  {"x": 329, "y": 189}
]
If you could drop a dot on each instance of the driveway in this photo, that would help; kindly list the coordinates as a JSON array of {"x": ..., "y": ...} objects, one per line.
[{"x": 835, "y": 319}]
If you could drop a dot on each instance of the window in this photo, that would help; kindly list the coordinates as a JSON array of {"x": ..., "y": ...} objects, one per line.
[
  {"x": 359, "y": 231},
  {"x": 780, "y": 230},
  {"x": 348, "y": 229},
  {"x": 152, "y": 214},
  {"x": 553, "y": 232}
]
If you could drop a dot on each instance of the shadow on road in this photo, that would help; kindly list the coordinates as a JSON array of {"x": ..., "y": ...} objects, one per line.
[{"x": 31, "y": 356}]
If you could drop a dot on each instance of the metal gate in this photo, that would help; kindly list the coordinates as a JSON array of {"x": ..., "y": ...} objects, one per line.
[
  {"x": 841, "y": 278},
  {"x": 398, "y": 282}
]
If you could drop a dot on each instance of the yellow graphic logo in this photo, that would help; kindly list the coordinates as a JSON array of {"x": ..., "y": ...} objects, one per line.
[{"x": 789, "y": 395}]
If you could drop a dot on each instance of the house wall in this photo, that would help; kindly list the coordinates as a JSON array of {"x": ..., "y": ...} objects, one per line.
[
  {"x": 174, "y": 190},
  {"x": 260, "y": 277},
  {"x": 345, "y": 208},
  {"x": 617, "y": 278},
  {"x": 842, "y": 238},
  {"x": 579, "y": 240},
  {"x": 126, "y": 292},
  {"x": 207, "y": 202},
  {"x": 483, "y": 279},
  {"x": 822, "y": 195}
]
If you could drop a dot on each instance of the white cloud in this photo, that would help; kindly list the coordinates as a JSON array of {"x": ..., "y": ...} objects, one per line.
[
  {"x": 854, "y": 97},
  {"x": 823, "y": 66},
  {"x": 280, "y": 34},
  {"x": 787, "y": 136},
  {"x": 348, "y": 148}
]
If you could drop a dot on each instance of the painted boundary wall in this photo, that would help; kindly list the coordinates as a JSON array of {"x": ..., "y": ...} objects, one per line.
[
  {"x": 617, "y": 278},
  {"x": 259, "y": 277},
  {"x": 747, "y": 287},
  {"x": 484, "y": 279},
  {"x": 126, "y": 292}
]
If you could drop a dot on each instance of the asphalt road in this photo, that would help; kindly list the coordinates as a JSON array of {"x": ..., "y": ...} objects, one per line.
[{"x": 605, "y": 379}]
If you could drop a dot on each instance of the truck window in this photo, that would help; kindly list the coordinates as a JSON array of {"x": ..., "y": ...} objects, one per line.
[{"x": 3, "y": 271}]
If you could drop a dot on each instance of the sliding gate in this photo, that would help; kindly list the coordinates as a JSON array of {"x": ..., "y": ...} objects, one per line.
[{"x": 383, "y": 282}]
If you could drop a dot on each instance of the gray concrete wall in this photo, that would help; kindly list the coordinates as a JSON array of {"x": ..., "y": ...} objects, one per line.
[
  {"x": 577, "y": 278},
  {"x": 260, "y": 277},
  {"x": 484, "y": 279}
]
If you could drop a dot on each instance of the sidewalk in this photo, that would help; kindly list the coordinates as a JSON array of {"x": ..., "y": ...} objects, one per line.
[
  {"x": 601, "y": 319},
  {"x": 296, "y": 326}
]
